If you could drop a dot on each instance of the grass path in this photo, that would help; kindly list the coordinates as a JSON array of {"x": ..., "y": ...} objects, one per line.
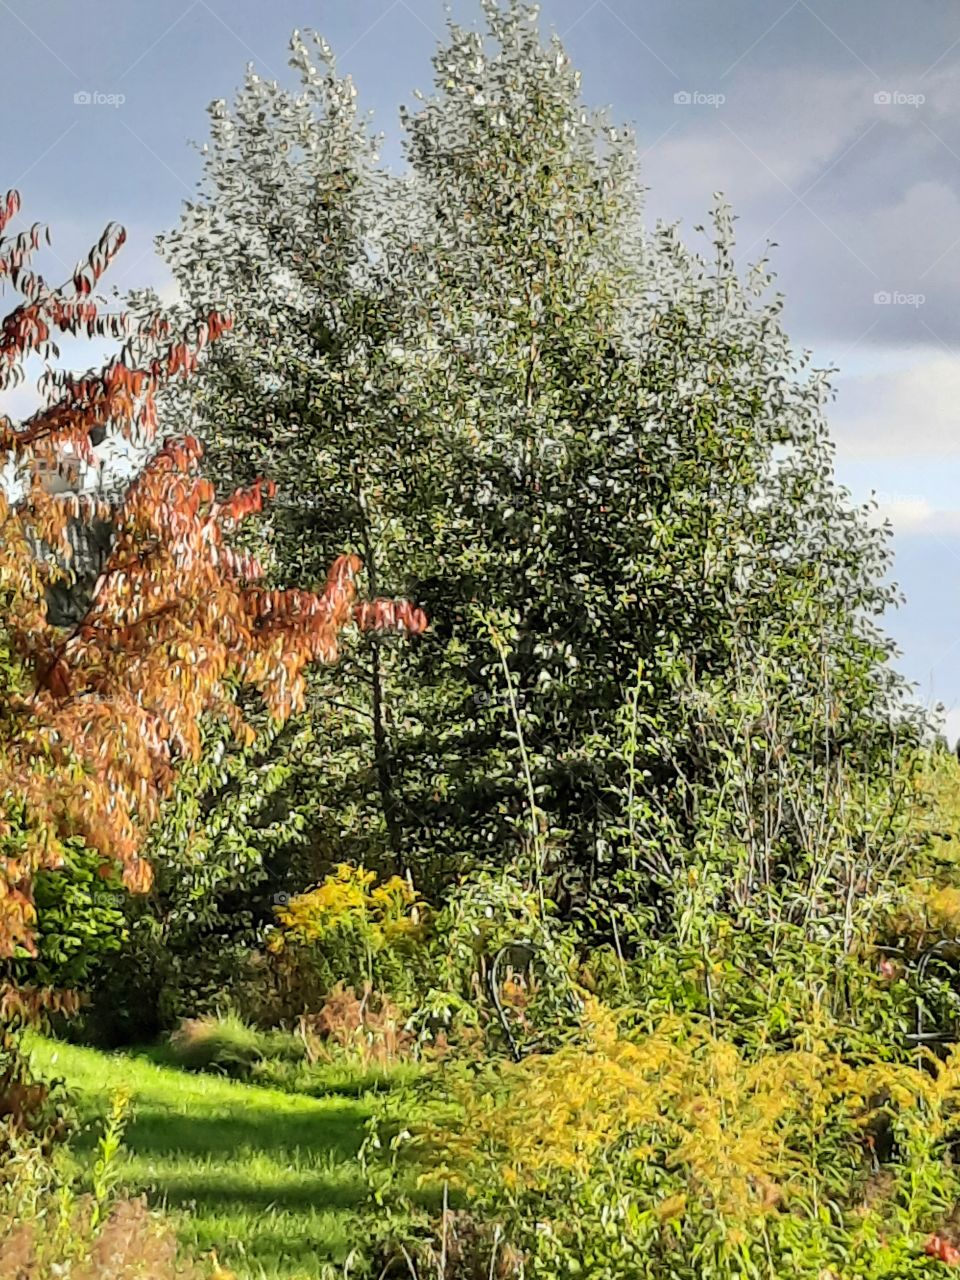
[{"x": 269, "y": 1179}]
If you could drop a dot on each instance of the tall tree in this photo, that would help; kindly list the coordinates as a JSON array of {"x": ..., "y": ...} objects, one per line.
[
  {"x": 312, "y": 389},
  {"x": 589, "y": 451}
]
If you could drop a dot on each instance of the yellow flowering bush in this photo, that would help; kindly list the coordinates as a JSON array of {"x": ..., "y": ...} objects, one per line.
[
  {"x": 681, "y": 1140},
  {"x": 348, "y": 929},
  {"x": 388, "y": 913}
]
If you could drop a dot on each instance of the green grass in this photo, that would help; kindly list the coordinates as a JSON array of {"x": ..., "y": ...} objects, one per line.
[{"x": 268, "y": 1178}]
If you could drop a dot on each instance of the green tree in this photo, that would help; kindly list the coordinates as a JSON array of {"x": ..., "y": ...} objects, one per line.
[
  {"x": 315, "y": 386},
  {"x": 589, "y": 451}
]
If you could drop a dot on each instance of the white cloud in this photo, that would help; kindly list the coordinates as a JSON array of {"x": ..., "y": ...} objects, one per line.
[
  {"x": 908, "y": 411},
  {"x": 915, "y": 515}
]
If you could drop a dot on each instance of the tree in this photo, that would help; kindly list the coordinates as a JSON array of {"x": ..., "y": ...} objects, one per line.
[
  {"x": 312, "y": 389},
  {"x": 96, "y": 719},
  {"x": 588, "y": 450}
]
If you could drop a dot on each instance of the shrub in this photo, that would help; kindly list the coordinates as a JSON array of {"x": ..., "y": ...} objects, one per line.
[
  {"x": 349, "y": 930},
  {"x": 487, "y": 913},
  {"x": 368, "y": 1028},
  {"x": 926, "y": 906},
  {"x": 49, "y": 1230},
  {"x": 80, "y": 920},
  {"x": 677, "y": 1153},
  {"x": 132, "y": 1242}
]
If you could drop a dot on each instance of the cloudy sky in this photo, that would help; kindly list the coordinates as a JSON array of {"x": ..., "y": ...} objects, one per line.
[{"x": 833, "y": 129}]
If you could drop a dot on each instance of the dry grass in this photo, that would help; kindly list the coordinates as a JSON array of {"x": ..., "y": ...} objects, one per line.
[
  {"x": 132, "y": 1243},
  {"x": 368, "y": 1027}
]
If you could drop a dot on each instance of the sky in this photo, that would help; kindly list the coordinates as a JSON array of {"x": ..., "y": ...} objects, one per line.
[{"x": 832, "y": 129}]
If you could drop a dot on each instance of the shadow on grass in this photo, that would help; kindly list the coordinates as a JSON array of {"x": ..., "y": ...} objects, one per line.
[
  {"x": 335, "y": 1131},
  {"x": 317, "y": 1080},
  {"x": 265, "y": 1177},
  {"x": 307, "y": 1211},
  {"x": 312, "y": 1193}
]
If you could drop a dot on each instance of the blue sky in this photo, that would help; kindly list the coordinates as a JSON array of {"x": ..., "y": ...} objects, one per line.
[{"x": 834, "y": 130}]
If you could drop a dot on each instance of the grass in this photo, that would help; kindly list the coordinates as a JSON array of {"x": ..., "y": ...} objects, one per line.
[{"x": 268, "y": 1178}]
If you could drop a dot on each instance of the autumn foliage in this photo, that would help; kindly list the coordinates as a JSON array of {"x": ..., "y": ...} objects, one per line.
[{"x": 93, "y": 725}]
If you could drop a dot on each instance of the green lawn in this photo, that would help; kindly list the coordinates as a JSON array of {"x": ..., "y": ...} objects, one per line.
[{"x": 269, "y": 1179}]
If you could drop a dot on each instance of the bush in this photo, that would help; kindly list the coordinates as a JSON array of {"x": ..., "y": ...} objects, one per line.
[
  {"x": 227, "y": 1044},
  {"x": 80, "y": 920},
  {"x": 486, "y": 914},
  {"x": 349, "y": 930},
  {"x": 677, "y": 1153},
  {"x": 368, "y": 1029},
  {"x": 132, "y": 1244}
]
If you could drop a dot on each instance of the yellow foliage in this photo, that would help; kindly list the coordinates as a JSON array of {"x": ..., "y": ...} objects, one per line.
[
  {"x": 388, "y": 913},
  {"x": 741, "y": 1134},
  {"x": 928, "y": 910}
]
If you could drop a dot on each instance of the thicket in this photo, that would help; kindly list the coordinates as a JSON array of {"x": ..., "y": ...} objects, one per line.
[{"x": 655, "y": 690}]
